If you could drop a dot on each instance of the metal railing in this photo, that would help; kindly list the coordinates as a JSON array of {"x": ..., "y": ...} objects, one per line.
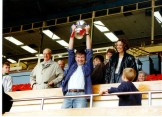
[{"x": 90, "y": 96}]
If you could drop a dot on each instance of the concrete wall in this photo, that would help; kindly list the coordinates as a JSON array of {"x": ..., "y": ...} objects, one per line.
[{"x": 98, "y": 101}]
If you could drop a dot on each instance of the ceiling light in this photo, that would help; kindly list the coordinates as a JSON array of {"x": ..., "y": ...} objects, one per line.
[
  {"x": 99, "y": 23},
  {"x": 13, "y": 40},
  {"x": 100, "y": 26},
  {"x": 111, "y": 36},
  {"x": 11, "y": 60},
  {"x": 51, "y": 34},
  {"x": 63, "y": 43},
  {"x": 29, "y": 49},
  {"x": 158, "y": 16}
]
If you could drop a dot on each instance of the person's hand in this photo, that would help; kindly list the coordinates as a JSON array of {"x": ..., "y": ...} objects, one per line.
[
  {"x": 87, "y": 28},
  {"x": 103, "y": 92},
  {"x": 51, "y": 83},
  {"x": 73, "y": 27}
]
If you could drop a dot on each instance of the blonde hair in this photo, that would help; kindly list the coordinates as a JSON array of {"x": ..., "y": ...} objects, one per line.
[
  {"x": 142, "y": 72},
  {"x": 129, "y": 73}
]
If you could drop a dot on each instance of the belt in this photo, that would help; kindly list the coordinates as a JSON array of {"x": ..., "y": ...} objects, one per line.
[{"x": 76, "y": 90}]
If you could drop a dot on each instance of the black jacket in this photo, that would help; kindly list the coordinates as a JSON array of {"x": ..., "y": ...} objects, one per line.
[
  {"x": 127, "y": 61},
  {"x": 127, "y": 100},
  {"x": 6, "y": 102},
  {"x": 98, "y": 74}
]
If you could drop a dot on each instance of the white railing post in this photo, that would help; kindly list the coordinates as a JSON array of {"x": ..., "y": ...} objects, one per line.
[
  {"x": 42, "y": 103},
  {"x": 149, "y": 98},
  {"x": 91, "y": 100}
]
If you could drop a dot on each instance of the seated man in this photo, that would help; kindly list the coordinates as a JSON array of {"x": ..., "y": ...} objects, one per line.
[
  {"x": 61, "y": 63},
  {"x": 77, "y": 80}
]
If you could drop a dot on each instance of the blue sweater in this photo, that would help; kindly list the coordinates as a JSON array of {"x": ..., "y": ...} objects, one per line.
[
  {"x": 127, "y": 100},
  {"x": 87, "y": 70}
]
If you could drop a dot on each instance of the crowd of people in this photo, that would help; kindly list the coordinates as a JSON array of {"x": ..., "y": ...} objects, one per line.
[{"x": 83, "y": 71}]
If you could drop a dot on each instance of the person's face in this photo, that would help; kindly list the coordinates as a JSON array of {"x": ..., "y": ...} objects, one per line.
[
  {"x": 141, "y": 77},
  {"x": 6, "y": 69},
  {"x": 108, "y": 55},
  {"x": 46, "y": 55},
  {"x": 96, "y": 61},
  {"x": 80, "y": 59},
  {"x": 119, "y": 47},
  {"x": 61, "y": 64}
]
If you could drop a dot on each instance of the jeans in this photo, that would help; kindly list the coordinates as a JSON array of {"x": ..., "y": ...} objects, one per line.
[{"x": 74, "y": 102}]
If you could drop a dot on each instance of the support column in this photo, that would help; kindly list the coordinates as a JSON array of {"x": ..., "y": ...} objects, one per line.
[{"x": 152, "y": 22}]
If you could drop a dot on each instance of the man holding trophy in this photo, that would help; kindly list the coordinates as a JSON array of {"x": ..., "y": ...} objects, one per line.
[{"x": 77, "y": 79}]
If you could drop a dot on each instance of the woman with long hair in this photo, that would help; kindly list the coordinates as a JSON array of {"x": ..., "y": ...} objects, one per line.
[{"x": 120, "y": 60}]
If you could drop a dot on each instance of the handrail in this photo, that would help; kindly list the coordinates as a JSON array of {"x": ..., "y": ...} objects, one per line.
[{"x": 91, "y": 97}]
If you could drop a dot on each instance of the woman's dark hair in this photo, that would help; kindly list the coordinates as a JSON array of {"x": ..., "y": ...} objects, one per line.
[{"x": 125, "y": 44}]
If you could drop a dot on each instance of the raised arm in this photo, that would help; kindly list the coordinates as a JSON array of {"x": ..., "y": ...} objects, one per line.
[
  {"x": 71, "y": 54},
  {"x": 88, "y": 38},
  {"x": 71, "y": 41}
]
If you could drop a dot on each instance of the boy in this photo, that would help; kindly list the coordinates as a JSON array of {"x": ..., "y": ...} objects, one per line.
[
  {"x": 126, "y": 86},
  {"x": 7, "y": 79},
  {"x": 77, "y": 79}
]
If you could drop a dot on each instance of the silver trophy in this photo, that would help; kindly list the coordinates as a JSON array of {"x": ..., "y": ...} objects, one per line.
[{"x": 80, "y": 29}]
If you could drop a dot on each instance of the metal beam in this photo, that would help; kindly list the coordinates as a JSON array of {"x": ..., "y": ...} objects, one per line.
[{"x": 84, "y": 16}]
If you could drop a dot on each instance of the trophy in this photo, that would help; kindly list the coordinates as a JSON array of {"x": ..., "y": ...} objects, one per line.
[{"x": 80, "y": 29}]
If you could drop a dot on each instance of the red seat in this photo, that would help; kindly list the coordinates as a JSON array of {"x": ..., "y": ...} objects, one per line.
[
  {"x": 21, "y": 87},
  {"x": 154, "y": 77}
]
